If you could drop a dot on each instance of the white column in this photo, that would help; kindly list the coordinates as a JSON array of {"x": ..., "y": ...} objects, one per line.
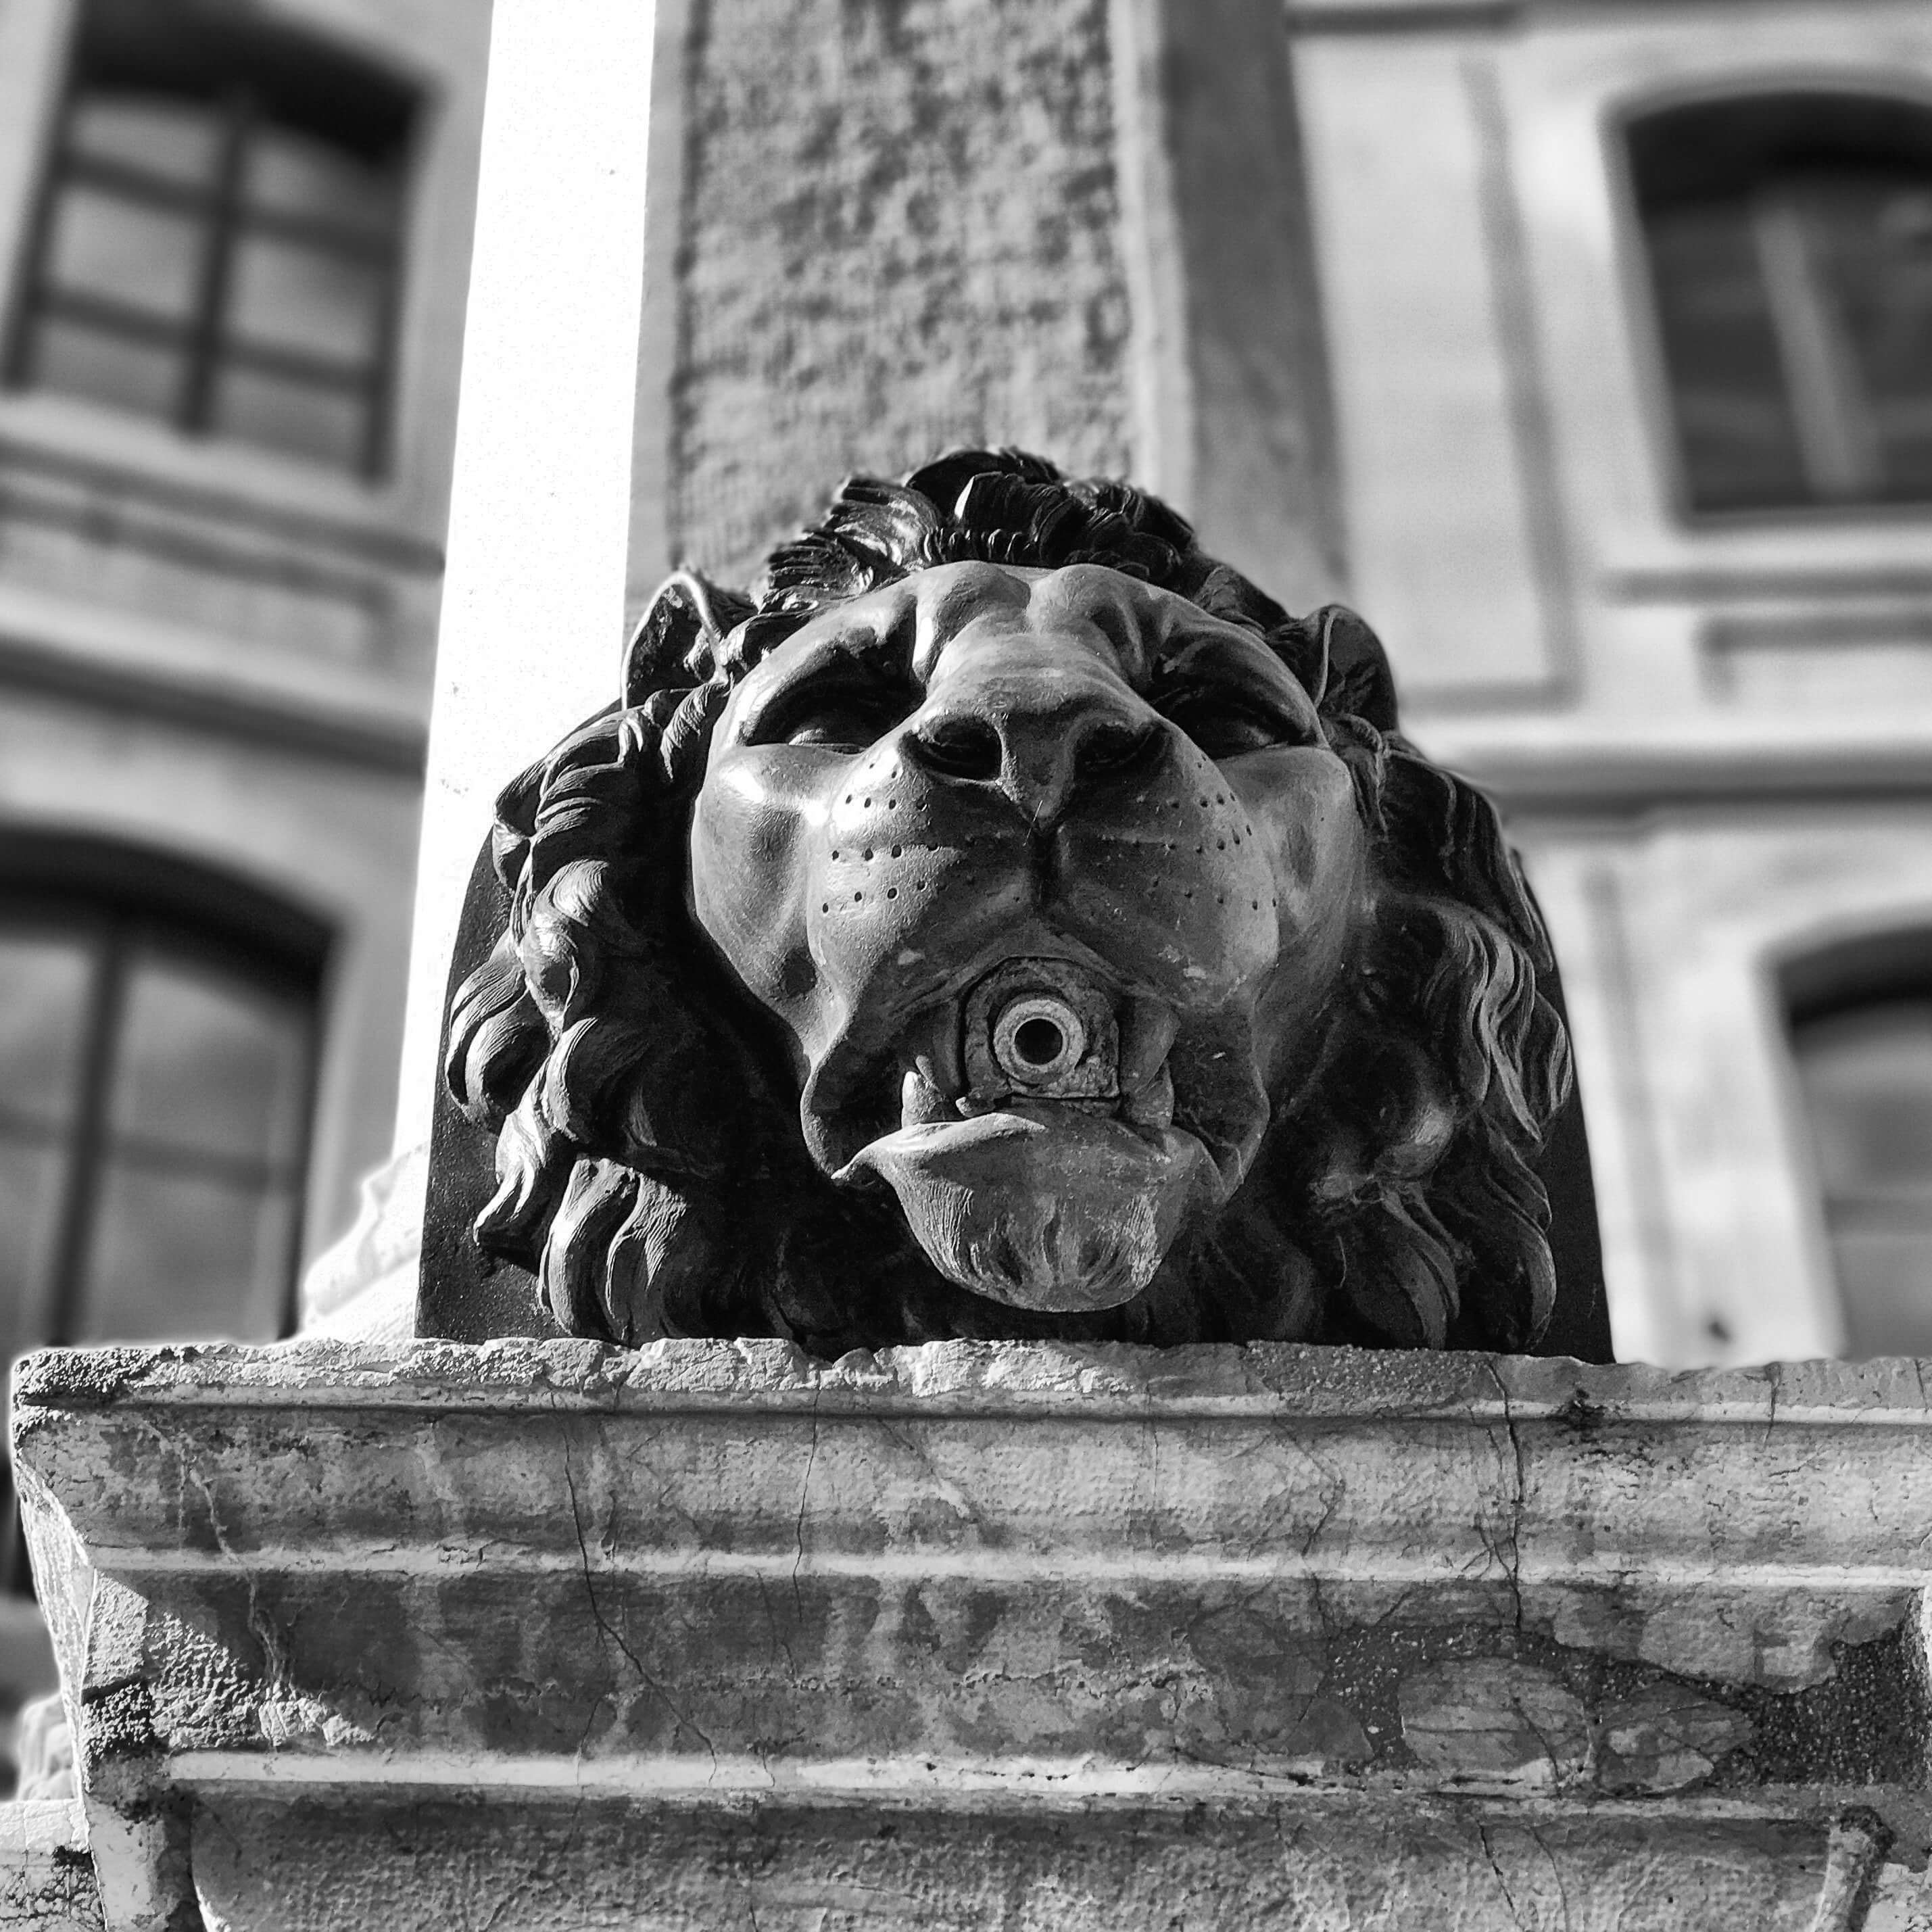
[{"x": 533, "y": 604}]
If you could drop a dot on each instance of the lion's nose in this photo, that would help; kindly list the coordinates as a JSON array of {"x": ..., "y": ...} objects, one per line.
[{"x": 1043, "y": 740}]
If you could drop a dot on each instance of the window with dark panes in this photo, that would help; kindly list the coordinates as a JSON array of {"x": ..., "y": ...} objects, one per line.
[
  {"x": 155, "y": 1087},
  {"x": 1867, "y": 1077},
  {"x": 1789, "y": 240},
  {"x": 219, "y": 240},
  {"x": 1860, "y": 1013}
]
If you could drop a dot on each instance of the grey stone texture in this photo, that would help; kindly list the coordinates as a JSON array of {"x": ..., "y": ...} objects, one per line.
[
  {"x": 901, "y": 233},
  {"x": 880, "y": 231},
  {"x": 539, "y": 1635}
]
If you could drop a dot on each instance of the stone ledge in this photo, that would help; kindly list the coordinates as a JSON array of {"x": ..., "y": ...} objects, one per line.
[
  {"x": 1075, "y": 1598},
  {"x": 1259, "y": 1377}
]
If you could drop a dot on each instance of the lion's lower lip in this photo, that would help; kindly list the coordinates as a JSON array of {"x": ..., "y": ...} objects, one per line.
[{"x": 1043, "y": 1205}]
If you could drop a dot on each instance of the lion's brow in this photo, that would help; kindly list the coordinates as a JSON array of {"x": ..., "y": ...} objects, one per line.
[{"x": 880, "y": 643}]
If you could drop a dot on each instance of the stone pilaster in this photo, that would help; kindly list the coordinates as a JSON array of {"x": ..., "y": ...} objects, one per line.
[{"x": 877, "y": 231}]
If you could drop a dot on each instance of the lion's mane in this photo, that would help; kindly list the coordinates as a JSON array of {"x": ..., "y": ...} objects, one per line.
[{"x": 651, "y": 1174}]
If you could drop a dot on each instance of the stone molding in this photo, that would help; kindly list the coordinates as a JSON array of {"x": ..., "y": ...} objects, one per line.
[{"x": 355, "y": 1629}]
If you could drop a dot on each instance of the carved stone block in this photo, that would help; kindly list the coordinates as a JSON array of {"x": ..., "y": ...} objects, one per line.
[
  {"x": 1007, "y": 892},
  {"x": 978, "y": 1635}
]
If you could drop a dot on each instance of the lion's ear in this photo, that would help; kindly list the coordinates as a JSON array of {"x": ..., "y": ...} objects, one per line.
[
  {"x": 680, "y": 630},
  {"x": 1354, "y": 678}
]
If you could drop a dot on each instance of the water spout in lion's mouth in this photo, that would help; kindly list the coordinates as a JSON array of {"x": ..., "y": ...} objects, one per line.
[
  {"x": 1040, "y": 1029},
  {"x": 1056, "y": 1180}
]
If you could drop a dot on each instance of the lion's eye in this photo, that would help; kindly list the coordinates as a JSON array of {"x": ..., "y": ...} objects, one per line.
[
  {"x": 1225, "y": 723},
  {"x": 833, "y": 725},
  {"x": 833, "y": 716}
]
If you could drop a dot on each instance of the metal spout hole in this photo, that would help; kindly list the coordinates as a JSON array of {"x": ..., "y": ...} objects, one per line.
[
  {"x": 1038, "y": 1039},
  {"x": 1040, "y": 1042}
]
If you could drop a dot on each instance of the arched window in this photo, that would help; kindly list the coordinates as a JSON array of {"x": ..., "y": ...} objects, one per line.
[
  {"x": 1788, "y": 237},
  {"x": 1861, "y": 1036},
  {"x": 157, "y": 1043},
  {"x": 219, "y": 240},
  {"x": 157, "y": 1034}
]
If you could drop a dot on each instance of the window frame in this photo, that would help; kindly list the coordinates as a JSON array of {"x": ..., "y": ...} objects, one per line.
[
  {"x": 222, "y": 219},
  {"x": 114, "y": 939},
  {"x": 1636, "y": 284},
  {"x": 1886, "y": 965}
]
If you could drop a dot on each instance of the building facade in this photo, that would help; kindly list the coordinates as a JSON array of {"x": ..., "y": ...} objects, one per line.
[
  {"x": 1629, "y": 318},
  {"x": 234, "y": 246}
]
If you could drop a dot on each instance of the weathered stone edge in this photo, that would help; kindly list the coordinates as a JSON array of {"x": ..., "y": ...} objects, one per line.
[{"x": 973, "y": 1377}]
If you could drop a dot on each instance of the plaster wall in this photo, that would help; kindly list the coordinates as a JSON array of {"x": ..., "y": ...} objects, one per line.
[
  {"x": 1511, "y": 501},
  {"x": 1712, "y": 734},
  {"x": 1637, "y": 553},
  {"x": 1419, "y": 241},
  {"x": 1675, "y": 931}
]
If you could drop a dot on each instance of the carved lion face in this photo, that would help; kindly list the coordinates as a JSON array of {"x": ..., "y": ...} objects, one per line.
[
  {"x": 1008, "y": 922},
  {"x": 1048, "y": 874}
]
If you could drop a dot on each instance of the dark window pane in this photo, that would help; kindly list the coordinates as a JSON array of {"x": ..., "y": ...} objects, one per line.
[
  {"x": 1790, "y": 238},
  {"x": 293, "y": 173},
  {"x": 304, "y": 418},
  {"x": 210, "y": 1063},
  {"x": 31, "y": 1175},
  {"x": 44, "y": 985},
  {"x": 144, "y": 258},
  {"x": 236, "y": 185},
  {"x": 1874, "y": 239},
  {"x": 181, "y": 1256},
  {"x": 1867, "y": 1077},
  {"x": 79, "y": 360},
  {"x": 1739, "y": 439},
  {"x": 1868, "y": 1080},
  {"x": 287, "y": 296},
  {"x": 1885, "y": 1280},
  {"x": 173, "y": 140},
  {"x": 154, "y": 1058}
]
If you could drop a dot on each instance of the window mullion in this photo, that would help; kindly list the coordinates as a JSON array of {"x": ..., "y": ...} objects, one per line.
[
  {"x": 1827, "y": 405},
  {"x": 197, "y": 395}
]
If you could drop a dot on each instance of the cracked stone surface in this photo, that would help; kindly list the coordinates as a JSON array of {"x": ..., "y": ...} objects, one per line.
[
  {"x": 46, "y": 1880},
  {"x": 537, "y": 1634}
]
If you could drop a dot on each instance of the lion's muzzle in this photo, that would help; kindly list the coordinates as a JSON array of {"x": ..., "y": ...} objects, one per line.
[{"x": 1037, "y": 953}]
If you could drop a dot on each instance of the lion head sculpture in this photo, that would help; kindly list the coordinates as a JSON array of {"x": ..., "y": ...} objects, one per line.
[{"x": 1007, "y": 922}]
